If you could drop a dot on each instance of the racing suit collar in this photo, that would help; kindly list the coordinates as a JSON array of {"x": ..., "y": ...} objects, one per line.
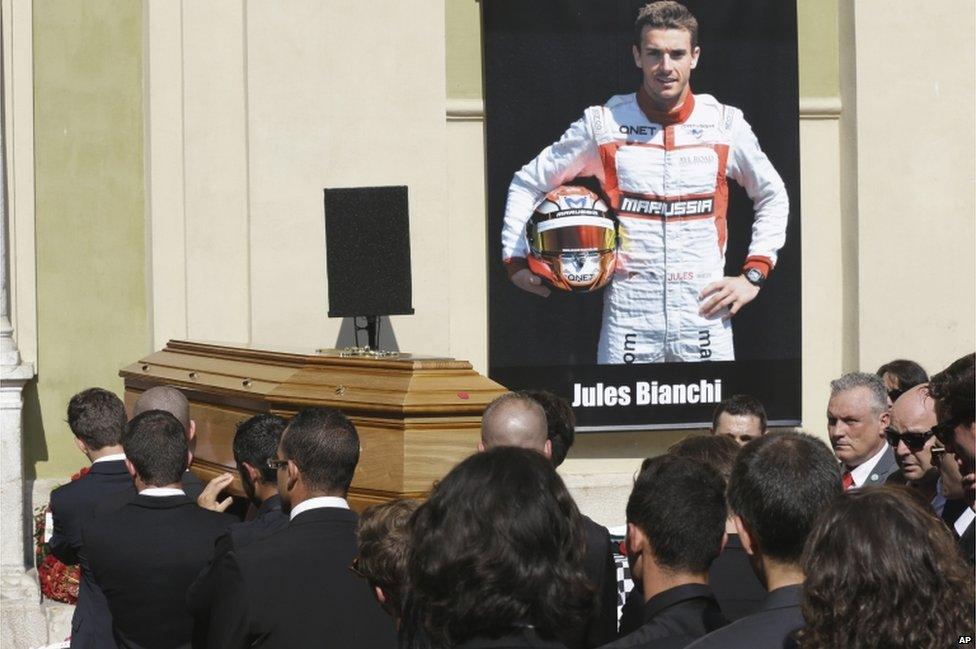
[{"x": 665, "y": 118}]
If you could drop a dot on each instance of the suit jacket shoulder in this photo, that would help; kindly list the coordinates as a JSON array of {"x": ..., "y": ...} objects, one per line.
[
  {"x": 967, "y": 543},
  {"x": 883, "y": 469},
  {"x": 731, "y": 576},
  {"x": 294, "y": 588},
  {"x": 144, "y": 555},
  {"x": 72, "y": 504},
  {"x": 675, "y": 618},
  {"x": 769, "y": 628},
  {"x": 601, "y": 626},
  {"x": 203, "y": 591}
]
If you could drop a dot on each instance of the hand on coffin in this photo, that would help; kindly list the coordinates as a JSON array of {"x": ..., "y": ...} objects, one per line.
[{"x": 208, "y": 497}]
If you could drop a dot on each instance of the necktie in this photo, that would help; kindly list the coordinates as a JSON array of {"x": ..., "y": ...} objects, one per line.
[{"x": 848, "y": 480}]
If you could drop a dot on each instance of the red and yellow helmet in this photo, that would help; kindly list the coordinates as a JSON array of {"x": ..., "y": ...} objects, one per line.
[{"x": 573, "y": 240}]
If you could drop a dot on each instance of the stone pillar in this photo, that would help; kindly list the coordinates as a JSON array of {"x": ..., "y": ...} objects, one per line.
[{"x": 22, "y": 619}]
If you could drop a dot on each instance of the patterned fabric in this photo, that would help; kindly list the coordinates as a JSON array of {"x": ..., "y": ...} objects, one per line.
[{"x": 625, "y": 582}]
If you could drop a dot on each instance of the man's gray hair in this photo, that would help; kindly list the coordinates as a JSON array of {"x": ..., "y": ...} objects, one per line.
[
  {"x": 874, "y": 384},
  {"x": 514, "y": 419}
]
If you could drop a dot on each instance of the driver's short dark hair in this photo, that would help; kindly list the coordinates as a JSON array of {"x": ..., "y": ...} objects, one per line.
[
  {"x": 741, "y": 404},
  {"x": 666, "y": 14}
]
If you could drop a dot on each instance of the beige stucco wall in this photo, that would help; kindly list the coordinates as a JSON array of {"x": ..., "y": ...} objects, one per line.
[
  {"x": 916, "y": 203},
  {"x": 278, "y": 114},
  {"x": 88, "y": 213}
]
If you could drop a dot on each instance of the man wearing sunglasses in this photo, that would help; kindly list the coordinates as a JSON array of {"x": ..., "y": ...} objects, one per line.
[
  {"x": 910, "y": 436},
  {"x": 953, "y": 389},
  {"x": 294, "y": 587}
]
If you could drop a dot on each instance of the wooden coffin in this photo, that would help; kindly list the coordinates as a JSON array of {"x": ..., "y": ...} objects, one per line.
[{"x": 416, "y": 416}]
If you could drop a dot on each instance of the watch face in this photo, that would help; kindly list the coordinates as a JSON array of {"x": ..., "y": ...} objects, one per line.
[{"x": 754, "y": 276}]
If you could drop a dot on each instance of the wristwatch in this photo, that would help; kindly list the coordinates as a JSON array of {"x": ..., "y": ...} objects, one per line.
[{"x": 755, "y": 277}]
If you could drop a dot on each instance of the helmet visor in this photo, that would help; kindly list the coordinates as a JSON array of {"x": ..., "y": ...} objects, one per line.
[{"x": 574, "y": 233}]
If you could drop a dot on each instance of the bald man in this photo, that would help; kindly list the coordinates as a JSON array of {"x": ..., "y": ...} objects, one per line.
[
  {"x": 171, "y": 400},
  {"x": 516, "y": 419},
  {"x": 910, "y": 436}
]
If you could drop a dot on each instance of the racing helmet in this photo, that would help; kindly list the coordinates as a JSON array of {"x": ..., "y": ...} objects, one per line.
[{"x": 572, "y": 240}]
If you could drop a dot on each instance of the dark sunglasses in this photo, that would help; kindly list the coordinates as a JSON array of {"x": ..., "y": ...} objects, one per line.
[
  {"x": 275, "y": 463},
  {"x": 914, "y": 441},
  {"x": 938, "y": 452}
]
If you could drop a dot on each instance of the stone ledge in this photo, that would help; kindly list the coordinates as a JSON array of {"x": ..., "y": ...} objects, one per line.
[{"x": 27, "y": 621}]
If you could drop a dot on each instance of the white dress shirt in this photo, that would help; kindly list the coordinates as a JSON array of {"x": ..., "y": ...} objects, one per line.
[
  {"x": 862, "y": 471},
  {"x": 964, "y": 520},
  {"x": 318, "y": 503},
  {"x": 109, "y": 458},
  {"x": 160, "y": 492}
]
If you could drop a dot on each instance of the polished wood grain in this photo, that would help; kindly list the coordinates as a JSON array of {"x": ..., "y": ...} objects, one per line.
[{"x": 416, "y": 416}]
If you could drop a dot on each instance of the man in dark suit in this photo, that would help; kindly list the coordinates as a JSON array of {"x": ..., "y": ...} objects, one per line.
[
  {"x": 910, "y": 436},
  {"x": 736, "y": 586},
  {"x": 734, "y": 583},
  {"x": 146, "y": 553},
  {"x": 857, "y": 415},
  {"x": 779, "y": 485},
  {"x": 171, "y": 400},
  {"x": 255, "y": 441},
  {"x": 953, "y": 389},
  {"x": 295, "y": 587},
  {"x": 542, "y": 422},
  {"x": 675, "y": 528},
  {"x": 97, "y": 419}
]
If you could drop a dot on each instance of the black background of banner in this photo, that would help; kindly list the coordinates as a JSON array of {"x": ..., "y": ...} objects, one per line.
[
  {"x": 770, "y": 381},
  {"x": 545, "y": 61}
]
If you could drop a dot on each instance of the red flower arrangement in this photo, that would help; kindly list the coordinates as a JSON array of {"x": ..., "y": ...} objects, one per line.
[{"x": 58, "y": 581}]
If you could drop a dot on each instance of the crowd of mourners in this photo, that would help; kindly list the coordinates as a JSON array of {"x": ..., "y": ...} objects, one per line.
[{"x": 742, "y": 538}]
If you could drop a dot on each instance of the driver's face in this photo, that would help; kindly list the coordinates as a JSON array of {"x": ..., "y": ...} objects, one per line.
[
  {"x": 666, "y": 59},
  {"x": 741, "y": 428}
]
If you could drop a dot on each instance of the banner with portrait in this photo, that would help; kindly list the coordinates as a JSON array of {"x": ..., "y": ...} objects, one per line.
[{"x": 545, "y": 63}]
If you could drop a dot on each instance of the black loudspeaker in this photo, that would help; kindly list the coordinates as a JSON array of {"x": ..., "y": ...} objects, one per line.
[{"x": 367, "y": 245}]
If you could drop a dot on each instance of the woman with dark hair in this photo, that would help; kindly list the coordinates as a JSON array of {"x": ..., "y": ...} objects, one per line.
[
  {"x": 882, "y": 572},
  {"x": 496, "y": 556},
  {"x": 900, "y": 376}
]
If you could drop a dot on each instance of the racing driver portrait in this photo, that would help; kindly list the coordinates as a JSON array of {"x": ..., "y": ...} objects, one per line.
[{"x": 662, "y": 156}]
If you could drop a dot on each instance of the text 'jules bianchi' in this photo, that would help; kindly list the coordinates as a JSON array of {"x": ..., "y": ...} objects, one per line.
[{"x": 644, "y": 393}]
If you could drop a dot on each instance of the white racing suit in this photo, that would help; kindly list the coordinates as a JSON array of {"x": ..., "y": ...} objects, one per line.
[{"x": 666, "y": 181}]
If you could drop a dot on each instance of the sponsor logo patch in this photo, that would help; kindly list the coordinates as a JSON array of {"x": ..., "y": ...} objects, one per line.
[
  {"x": 628, "y": 129},
  {"x": 667, "y": 208}
]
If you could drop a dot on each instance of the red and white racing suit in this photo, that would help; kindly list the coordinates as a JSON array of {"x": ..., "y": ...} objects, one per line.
[{"x": 665, "y": 175}]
